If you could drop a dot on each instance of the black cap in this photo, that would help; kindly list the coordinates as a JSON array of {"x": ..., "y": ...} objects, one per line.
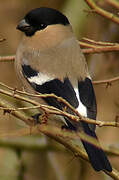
[{"x": 39, "y": 18}]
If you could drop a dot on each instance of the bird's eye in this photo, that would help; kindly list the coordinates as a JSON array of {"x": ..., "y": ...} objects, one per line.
[{"x": 42, "y": 26}]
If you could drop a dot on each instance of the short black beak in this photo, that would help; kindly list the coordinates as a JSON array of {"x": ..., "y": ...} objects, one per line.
[{"x": 23, "y": 25}]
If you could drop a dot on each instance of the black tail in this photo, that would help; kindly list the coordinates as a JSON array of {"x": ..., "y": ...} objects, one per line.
[{"x": 96, "y": 155}]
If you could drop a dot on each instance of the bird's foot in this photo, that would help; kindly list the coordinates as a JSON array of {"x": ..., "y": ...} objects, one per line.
[
  {"x": 40, "y": 118},
  {"x": 66, "y": 127},
  {"x": 36, "y": 118}
]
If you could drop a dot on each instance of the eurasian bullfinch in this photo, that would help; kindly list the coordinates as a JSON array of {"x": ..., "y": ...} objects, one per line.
[{"x": 49, "y": 60}]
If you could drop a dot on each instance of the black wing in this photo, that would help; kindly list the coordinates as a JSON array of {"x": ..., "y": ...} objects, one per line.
[{"x": 62, "y": 89}]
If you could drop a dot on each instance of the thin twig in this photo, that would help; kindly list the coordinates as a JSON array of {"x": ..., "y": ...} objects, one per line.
[
  {"x": 106, "y": 81},
  {"x": 91, "y": 46},
  {"x": 52, "y": 110},
  {"x": 88, "y": 45},
  {"x": 18, "y": 115},
  {"x": 100, "y": 50},
  {"x": 99, "y": 43},
  {"x": 102, "y": 12},
  {"x": 15, "y": 90},
  {"x": 7, "y": 58}
]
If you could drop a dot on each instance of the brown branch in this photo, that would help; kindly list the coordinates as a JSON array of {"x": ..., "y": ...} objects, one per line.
[
  {"x": 102, "y": 12},
  {"x": 100, "y": 50},
  {"x": 6, "y": 141},
  {"x": 113, "y": 3},
  {"x": 18, "y": 115},
  {"x": 62, "y": 113},
  {"x": 106, "y": 81},
  {"x": 7, "y": 58},
  {"x": 60, "y": 136},
  {"x": 91, "y": 46},
  {"x": 52, "y": 110},
  {"x": 30, "y": 121},
  {"x": 99, "y": 43},
  {"x": 87, "y": 45}
]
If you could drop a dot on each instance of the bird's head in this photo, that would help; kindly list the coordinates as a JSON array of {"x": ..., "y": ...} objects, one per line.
[{"x": 40, "y": 18}]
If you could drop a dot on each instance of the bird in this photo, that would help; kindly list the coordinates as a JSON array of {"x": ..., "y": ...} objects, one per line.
[{"x": 49, "y": 60}]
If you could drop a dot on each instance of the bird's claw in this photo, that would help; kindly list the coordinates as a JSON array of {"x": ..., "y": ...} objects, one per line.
[{"x": 36, "y": 118}]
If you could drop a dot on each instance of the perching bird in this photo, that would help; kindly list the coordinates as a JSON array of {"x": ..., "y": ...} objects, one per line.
[{"x": 49, "y": 60}]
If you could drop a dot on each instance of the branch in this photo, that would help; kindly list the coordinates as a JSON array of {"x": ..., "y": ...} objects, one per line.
[
  {"x": 106, "y": 81},
  {"x": 100, "y": 50},
  {"x": 49, "y": 109},
  {"x": 6, "y": 105},
  {"x": 35, "y": 144},
  {"x": 102, "y": 12},
  {"x": 91, "y": 46},
  {"x": 113, "y": 3},
  {"x": 99, "y": 43},
  {"x": 7, "y": 58}
]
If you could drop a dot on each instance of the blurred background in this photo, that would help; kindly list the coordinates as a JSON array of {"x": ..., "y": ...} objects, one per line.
[{"x": 61, "y": 165}]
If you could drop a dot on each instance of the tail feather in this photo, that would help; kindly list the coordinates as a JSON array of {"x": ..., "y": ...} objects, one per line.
[{"x": 96, "y": 155}]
